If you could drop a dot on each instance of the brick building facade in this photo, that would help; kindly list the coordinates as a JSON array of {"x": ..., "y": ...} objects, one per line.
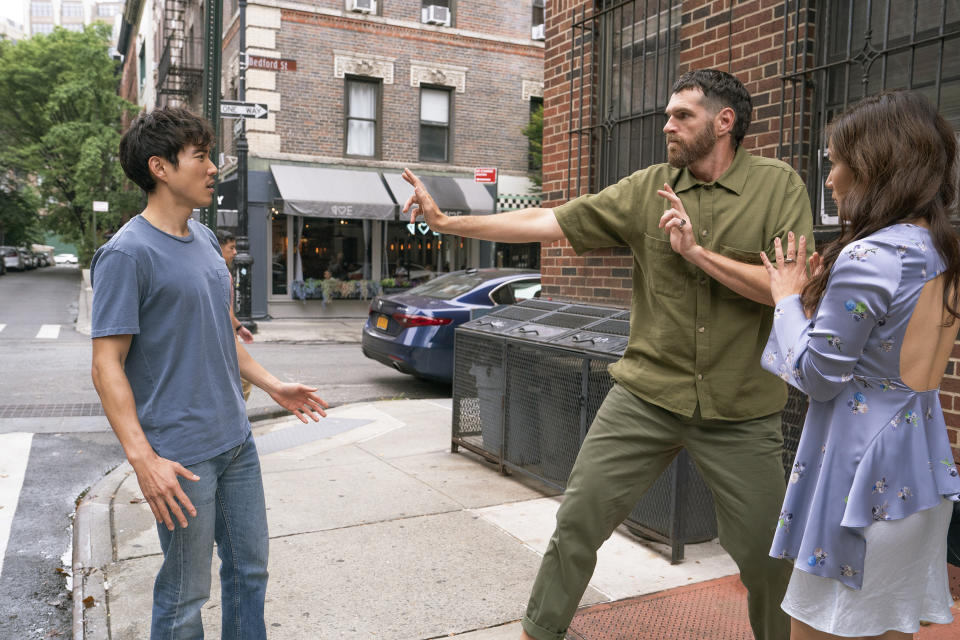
[
  {"x": 608, "y": 67},
  {"x": 362, "y": 69}
]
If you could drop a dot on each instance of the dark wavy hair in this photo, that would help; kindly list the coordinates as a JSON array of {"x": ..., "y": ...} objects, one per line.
[
  {"x": 902, "y": 155},
  {"x": 163, "y": 132},
  {"x": 720, "y": 90}
]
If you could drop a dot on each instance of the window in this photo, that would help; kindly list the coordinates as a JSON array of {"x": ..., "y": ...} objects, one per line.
[
  {"x": 434, "y": 124},
  {"x": 363, "y": 105},
  {"x": 638, "y": 44},
  {"x": 73, "y": 27},
  {"x": 438, "y": 12},
  {"x": 42, "y": 28},
  {"x": 71, "y": 10},
  {"x": 107, "y": 10},
  {"x": 862, "y": 49},
  {"x": 537, "y": 20},
  {"x": 41, "y": 10}
]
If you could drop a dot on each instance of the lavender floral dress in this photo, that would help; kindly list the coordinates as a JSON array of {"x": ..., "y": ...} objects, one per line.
[{"x": 872, "y": 448}]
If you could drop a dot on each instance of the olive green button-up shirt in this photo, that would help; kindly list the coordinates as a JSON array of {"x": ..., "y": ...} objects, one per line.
[{"x": 693, "y": 341}]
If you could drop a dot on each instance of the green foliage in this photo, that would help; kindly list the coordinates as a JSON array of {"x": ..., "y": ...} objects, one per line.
[
  {"x": 534, "y": 132},
  {"x": 19, "y": 223},
  {"x": 60, "y": 119}
]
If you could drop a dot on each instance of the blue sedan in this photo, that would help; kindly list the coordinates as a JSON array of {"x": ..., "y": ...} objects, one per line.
[{"x": 412, "y": 331}]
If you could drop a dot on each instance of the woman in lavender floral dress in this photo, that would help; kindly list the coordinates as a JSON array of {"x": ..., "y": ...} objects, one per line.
[{"x": 868, "y": 336}]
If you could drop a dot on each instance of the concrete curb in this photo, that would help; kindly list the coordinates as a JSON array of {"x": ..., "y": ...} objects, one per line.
[{"x": 93, "y": 549}]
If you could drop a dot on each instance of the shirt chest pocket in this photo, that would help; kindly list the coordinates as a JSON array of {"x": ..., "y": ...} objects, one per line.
[
  {"x": 663, "y": 269},
  {"x": 224, "y": 285}
]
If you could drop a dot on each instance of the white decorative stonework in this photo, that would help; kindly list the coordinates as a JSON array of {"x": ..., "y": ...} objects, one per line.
[
  {"x": 532, "y": 89},
  {"x": 367, "y": 65},
  {"x": 444, "y": 75}
]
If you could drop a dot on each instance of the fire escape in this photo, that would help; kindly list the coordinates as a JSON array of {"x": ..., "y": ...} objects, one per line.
[{"x": 180, "y": 72}]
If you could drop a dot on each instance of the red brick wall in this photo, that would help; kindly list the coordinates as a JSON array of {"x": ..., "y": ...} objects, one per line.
[
  {"x": 603, "y": 277},
  {"x": 486, "y": 120}
]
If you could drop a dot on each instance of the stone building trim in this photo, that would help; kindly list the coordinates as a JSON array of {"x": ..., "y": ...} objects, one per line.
[
  {"x": 532, "y": 89},
  {"x": 368, "y": 65},
  {"x": 444, "y": 75}
]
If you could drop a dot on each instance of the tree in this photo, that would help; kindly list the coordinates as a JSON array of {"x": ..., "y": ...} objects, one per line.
[
  {"x": 534, "y": 132},
  {"x": 19, "y": 224},
  {"x": 60, "y": 119}
]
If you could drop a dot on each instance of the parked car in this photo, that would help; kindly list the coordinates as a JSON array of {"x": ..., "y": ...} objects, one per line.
[
  {"x": 65, "y": 258},
  {"x": 29, "y": 260},
  {"x": 412, "y": 331},
  {"x": 12, "y": 259}
]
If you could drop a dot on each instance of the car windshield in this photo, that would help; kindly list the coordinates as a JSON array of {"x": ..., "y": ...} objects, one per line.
[{"x": 448, "y": 287}]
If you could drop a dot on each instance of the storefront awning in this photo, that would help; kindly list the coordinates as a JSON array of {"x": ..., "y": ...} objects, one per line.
[
  {"x": 333, "y": 193},
  {"x": 454, "y": 196}
]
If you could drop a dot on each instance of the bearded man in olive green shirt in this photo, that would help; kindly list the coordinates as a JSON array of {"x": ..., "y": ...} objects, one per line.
[{"x": 690, "y": 377}]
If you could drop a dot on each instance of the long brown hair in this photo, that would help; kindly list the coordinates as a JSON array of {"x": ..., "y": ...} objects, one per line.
[{"x": 902, "y": 155}]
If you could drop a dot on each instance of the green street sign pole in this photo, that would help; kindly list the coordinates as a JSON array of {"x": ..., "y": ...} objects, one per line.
[{"x": 212, "y": 43}]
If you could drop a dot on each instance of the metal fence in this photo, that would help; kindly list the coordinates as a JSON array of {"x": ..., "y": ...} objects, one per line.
[{"x": 528, "y": 381}]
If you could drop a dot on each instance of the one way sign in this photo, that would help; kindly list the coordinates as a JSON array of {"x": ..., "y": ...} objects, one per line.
[{"x": 235, "y": 109}]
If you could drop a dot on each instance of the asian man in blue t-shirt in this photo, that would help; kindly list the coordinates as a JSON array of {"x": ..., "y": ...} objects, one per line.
[{"x": 167, "y": 367}]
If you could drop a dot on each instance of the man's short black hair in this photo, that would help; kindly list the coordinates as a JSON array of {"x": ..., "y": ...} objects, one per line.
[
  {"x": 224, "y": 236},
  {"x": 720, "y": 90},
  {"x": 163, "y": 132}
]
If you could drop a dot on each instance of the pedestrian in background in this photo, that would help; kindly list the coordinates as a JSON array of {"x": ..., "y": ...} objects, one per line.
[
  {"x": 167, "y": 367},
  {"x": 691, "y": 376},
  {"x": 228, "y": 249},
  {"x": 868, "y": 337}
]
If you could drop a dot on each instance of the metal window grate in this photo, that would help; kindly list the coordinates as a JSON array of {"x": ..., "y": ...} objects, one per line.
[
  {"x": 622, "y": 65},
  {"x": 839, "y": 52}
]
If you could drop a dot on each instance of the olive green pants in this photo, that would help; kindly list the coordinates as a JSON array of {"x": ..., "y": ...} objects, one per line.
[{"x": 630, "y": 443}]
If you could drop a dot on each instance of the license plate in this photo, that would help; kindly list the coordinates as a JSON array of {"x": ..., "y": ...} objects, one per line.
[{"x": 382, "y": 322}]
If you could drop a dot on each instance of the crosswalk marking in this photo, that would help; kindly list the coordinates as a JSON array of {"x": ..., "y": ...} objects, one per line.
[
  {"x": 2, "y": 327},
  {"x": 14, "y": 453},
  {"x": 48, "y": 332}
]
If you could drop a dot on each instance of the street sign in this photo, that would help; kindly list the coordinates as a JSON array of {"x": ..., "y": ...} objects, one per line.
[
  {"x": 271, "y": 64},
  {"x": 236, "y": 109},
  {"x": 485, "y": 175},
  {"x": 100, "y": 205}
]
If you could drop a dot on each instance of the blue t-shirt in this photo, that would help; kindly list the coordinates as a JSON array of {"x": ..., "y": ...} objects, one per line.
[{"x": 172, "y": 294}]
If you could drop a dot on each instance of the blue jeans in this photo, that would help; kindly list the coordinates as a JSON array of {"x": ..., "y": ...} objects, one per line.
[{"x": 231, "y": 511}]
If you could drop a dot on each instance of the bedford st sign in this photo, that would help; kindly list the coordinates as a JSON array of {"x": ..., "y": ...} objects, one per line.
[{"x": 271, "y": 64}]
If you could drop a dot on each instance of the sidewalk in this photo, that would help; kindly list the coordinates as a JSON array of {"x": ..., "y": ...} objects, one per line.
[{"x": 377, "y": 531}]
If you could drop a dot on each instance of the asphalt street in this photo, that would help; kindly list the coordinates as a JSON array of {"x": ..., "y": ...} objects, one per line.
[{"x": 49, "y": 457}]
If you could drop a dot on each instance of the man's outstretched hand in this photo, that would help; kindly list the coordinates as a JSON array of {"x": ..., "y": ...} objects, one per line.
[
  {"x": 421, "y": 202},
  {"x": 300, "y": 400}
]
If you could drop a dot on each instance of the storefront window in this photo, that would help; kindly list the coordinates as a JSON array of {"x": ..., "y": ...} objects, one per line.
[
  {"x": 420, "y": 256},
  {"x": 330, "y": 245}
]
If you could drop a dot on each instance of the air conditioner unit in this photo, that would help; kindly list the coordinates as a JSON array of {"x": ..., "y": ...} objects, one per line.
[
  {"x": 362, "y": 6},
  {"x": 537, "y": 32},
  {"x": 437, "y": 14}
]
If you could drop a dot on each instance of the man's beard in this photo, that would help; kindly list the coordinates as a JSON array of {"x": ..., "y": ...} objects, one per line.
[{"x": 683, "y": 155}]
